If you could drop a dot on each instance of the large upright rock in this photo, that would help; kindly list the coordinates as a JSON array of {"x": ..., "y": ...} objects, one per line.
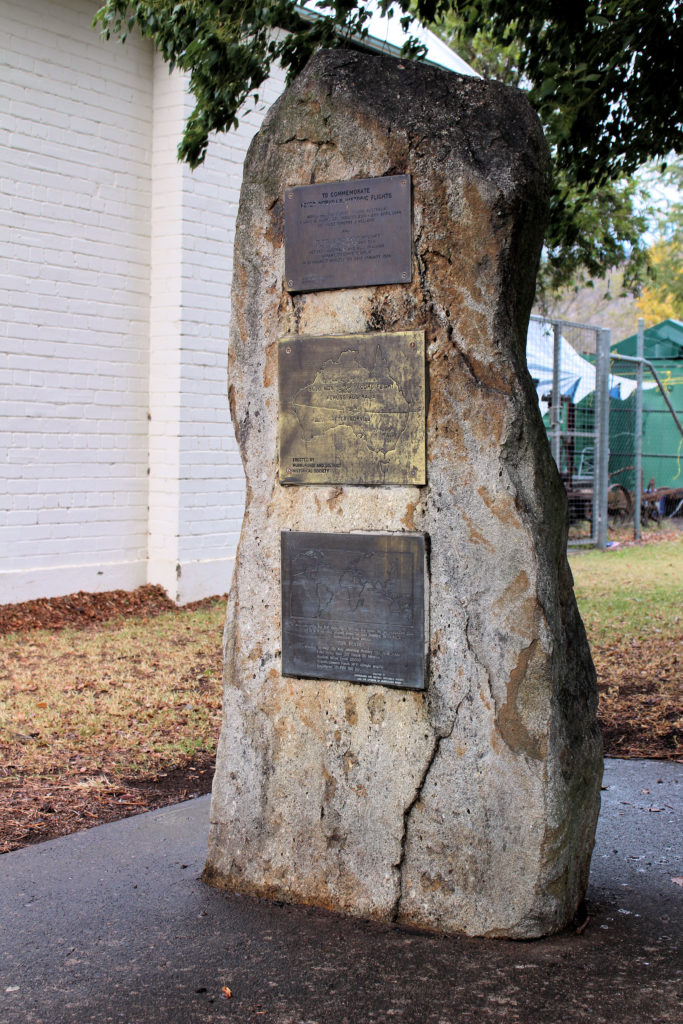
[{"x": 470, "y": 806}]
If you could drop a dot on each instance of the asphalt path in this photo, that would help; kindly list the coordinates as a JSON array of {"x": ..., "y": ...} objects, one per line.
[{"x": 115, "y": 925}]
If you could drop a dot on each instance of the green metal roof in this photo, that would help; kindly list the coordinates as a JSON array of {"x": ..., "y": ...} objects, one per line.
[{"x": 663, "y": 341}]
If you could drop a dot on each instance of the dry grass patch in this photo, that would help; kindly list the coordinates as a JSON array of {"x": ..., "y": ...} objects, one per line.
[{"x": 100, "y": 713}]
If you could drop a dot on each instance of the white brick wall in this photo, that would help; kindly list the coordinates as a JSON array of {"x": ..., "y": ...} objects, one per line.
[
  {"x": 115, "y": 294},
  {"x": 74, "y": 209},
  {"x": 211, "y": 478},
  {"x": 196, "y": 479},
  {"x": 117, "y": 459},
  {"x": 165, "y": 331}
]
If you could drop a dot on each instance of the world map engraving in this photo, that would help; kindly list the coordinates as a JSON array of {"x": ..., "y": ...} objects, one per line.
[
  {"x": 352, "y": 409},
  {"x": 345, "y": 393},
  {"x": 322, "y": 589},
  {"x": 353, "y": 607}
]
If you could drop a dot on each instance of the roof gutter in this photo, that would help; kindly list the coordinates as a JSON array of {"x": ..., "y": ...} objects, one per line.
[{"x": 369, "y": 42}]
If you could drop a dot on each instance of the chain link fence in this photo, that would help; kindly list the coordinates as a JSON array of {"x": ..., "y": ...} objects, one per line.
[
  {"x": 614, "y": 429},
  {"x": 562, "y": 358},
  {"x": 646, "y": 440}
]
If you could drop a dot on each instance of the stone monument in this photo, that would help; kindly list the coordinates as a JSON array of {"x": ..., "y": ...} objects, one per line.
[{"x": 409, "y": 726}]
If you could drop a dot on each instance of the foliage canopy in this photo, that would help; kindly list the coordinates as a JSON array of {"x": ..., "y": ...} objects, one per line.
[
  {"x": 662, "y": 298},
  {"x": 602, "y": 74}
]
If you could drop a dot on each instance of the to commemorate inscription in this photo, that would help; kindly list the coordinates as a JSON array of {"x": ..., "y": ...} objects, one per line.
[
  {"x": 347, "y": 234},
  {"x": 352, "y": 409},
  {"x": 353, "y": 607}
]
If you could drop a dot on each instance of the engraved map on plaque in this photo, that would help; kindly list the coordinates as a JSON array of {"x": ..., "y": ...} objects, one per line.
[
  {"x": 347, "y": 234},
  {"x": 353, "y": 607},
  {"x": 352, "y": 409}
]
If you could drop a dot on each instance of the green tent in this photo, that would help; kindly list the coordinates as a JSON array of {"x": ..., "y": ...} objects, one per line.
[{"x": 662, "y": 440}]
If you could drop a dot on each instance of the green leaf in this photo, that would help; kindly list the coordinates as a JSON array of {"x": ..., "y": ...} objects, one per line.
[{"x": 547, "y": 86}]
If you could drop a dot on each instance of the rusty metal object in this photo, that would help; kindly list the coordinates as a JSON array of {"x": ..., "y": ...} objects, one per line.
[{"x": 619, "y": 504}]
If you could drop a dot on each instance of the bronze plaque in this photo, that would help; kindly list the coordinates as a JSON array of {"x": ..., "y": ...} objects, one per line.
[
  {"x": 346, "y": 234},
  {"x": 352, "y": 409},
  {"x": 353, "y": 607}
]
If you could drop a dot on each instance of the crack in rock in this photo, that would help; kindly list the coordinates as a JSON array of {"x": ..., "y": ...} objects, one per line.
[{"x": 398, "y": 866}]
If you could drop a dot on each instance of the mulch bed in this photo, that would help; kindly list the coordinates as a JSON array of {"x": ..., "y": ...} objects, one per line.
[
  {"x": 49, "y": 808},
  {"x": 640, "y": 697},
  {"x": 81, "y": 610}
]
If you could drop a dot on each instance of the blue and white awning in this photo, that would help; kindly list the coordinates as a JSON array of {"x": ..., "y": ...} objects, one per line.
[{"x": 577, "y": 375}]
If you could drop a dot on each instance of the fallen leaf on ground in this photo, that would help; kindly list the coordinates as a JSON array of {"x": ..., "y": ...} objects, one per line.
[{"x": 582, "y": 927}]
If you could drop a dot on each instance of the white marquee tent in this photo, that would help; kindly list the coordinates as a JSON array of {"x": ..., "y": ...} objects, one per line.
[{"x": 577, "y": 374}]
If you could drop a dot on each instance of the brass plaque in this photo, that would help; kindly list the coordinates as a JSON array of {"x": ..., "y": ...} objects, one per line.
[
  {"x": 352, "y": 409},
  {"x": 353, "y": 607},
  {"x": 346, "y": 234}
]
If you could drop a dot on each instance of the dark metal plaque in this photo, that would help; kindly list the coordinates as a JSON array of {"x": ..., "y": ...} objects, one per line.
[
  {"x": 353, "y": 607},
  {"x": 347, "y": 234},
  {"x": 352, "y": 409}
]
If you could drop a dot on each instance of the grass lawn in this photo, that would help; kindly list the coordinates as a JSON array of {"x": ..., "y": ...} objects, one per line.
[
  {"x": 633, "y": 591},
  {"x": 123, "y": 714},
  {"x": 631, "y": 600}
]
